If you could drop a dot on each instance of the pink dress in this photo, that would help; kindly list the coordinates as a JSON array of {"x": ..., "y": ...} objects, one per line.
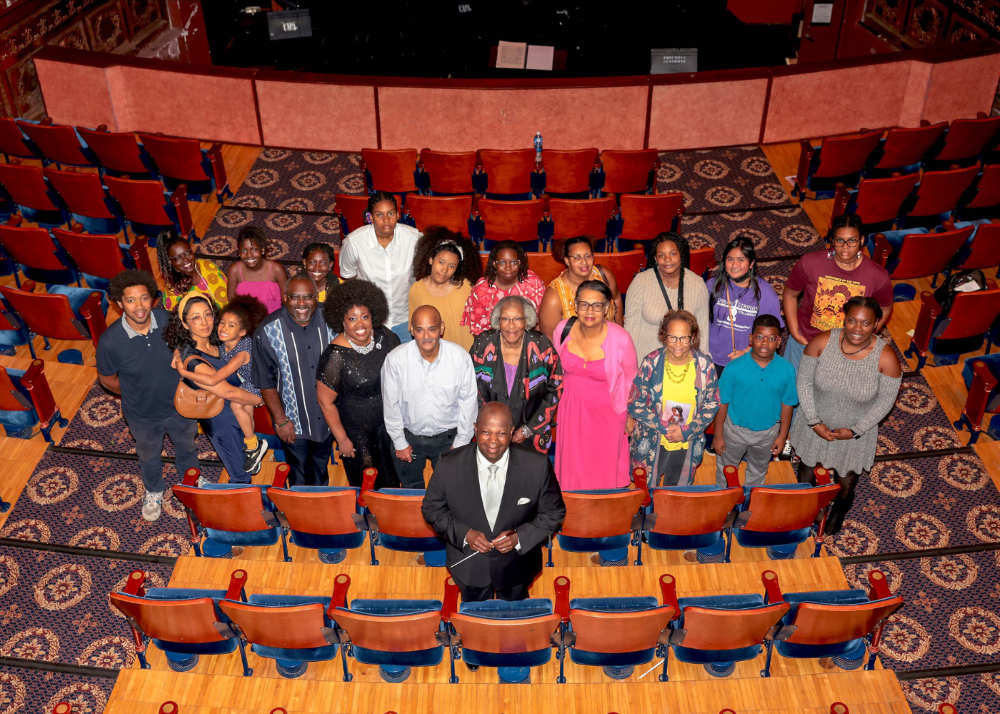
[
  {"x": 591, "y": 446},
  {"x": 267, "y": 291}
]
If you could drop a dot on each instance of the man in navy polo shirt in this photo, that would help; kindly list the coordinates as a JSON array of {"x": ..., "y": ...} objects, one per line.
[
  {"x": 134, "y": 361},
  {"x": 757, "y": 394}
]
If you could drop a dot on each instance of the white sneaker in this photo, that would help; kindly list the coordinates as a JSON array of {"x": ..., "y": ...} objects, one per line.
[
  {"x": 787, "y": 451},
  {"x": 152, "y": 505},
  {"x": 202, "y": 482}
]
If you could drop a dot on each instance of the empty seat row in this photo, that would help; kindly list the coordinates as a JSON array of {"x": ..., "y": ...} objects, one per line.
[
  {"x": 61, "y": 313},
  {"x": 26, "y": 402},
  {"x": 615, "y": 633}
]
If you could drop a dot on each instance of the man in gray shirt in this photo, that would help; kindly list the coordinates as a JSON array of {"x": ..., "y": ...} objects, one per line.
[{"x": 429, "y": 397}]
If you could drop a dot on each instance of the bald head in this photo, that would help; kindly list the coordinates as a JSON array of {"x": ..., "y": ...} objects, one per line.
[
  {"x": 494, "y": 429},
  {"x": 426, "y": 315},
  {"x": 427, "y": 329},
  {"x": 496, "y": 411}
]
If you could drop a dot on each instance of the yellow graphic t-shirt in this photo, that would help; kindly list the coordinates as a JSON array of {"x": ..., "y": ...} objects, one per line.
[
  {"x": 678, "y": 400},
  {"x": 831, "y": 296}
]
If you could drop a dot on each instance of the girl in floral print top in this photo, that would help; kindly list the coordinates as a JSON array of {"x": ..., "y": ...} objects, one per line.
[{"x": 506, "y": 274}]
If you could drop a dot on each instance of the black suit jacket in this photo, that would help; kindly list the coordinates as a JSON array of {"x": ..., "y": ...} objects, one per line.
[{"x": 453, "y": 505}]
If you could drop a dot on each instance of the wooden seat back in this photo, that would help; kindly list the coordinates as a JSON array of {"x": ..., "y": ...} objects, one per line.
[
  {"x": 94, "y": 253},
  {"x": 391, "y": 633},
  {"x": 775, "y": 510},
  {"x": 57, "y": 142},
  {"x": 449, "y": 171},
  {"x": 927, "y": 254},
  {"x": 985, "y": 251},
  {"x": 619, "y": 631},
  {"x": 688, "y": 513},
  {"x": 12, "y": 141},
  {"x": 645, "y": 217},
  {"x": 235, "y": 510},
  {"x": 939, "y": 191},
  {"x": 905, "y": 146},
  {"x": 27, "y": 187},
  {"x": 591, "y": 515},
  {"x": 824, "y": 624},
  {"x": 987, "y": 188},
  {"x": 51, "y": 315},
  {"x": 966, "y": 138},
  {"x": 352, "y": 210},
  {"x": 624, "y": 266},
  {"x": 141, "y": 201},
  {"x": 175, "y": 157},
  {"x": 190, "y": 621},
  {"x": 511, "y": 220},
  {"x": 391, "y": 169},
  {"x": 572, "y": 218},
  {"x": 711, "y": 629},
  {"x": 508, "y": 171},
  {"x": 31, "y": 246},
  {"x": 702, "y": 260},
  {"x": 83, "y": 193},
  {"x": 399, "y": 515},
  {"x": 568, "y": 171},
  {"x": 452, "y": 212},
  {"x": 11, "y": 398},
  {"x": 845, "y": 155},
  {"x": 628, "y": 171},
  {"x": 321, "y": 513},
  {"x": 288, "y": 627},
  {"x": 505, "y": 636},
  {"x": 879, "y": 200},
  {"x": 972, "y": 313},
  {"x": 118, "y": 151}
]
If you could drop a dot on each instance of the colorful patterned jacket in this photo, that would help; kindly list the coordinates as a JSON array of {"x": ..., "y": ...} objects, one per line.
[{"x": 646, "y": 407}]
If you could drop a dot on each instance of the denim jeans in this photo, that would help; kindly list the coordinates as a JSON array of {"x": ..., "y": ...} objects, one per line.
[
  {"x": 148, "y": 437},
  {"x": 402, "y": 331}
]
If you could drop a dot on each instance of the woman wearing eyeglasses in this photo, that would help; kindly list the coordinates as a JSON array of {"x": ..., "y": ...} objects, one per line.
[
  {"x": 182, "y": 272},
  {"x": 518, "y": 366},
  {"x": 559, "y": 302},
  {"x": 599, "y": 364},
  {"x": 506, "y": 273},
  {"x": 673, "y": 399}
]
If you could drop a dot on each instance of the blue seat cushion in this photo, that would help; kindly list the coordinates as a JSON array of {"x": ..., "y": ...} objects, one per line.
[
  {"x": 665, "y": 541},
  {"x": 190, "y": 648},
  {"x": 507, "y": 610},
  {"x": 78, "y": 296},
  {"x": 828, "y": 597},
  {"x": 403, "y": 491},
  {"x": 306, "y": 654},
  {"x": 268, "y": 536},
  {"x": 492, "y": 659},
  {"x": 409, "y": 545},
  {"x": 572, "y": 544},
  {"x": 758, "y": 539},
  {"x": 184, "y": 594},
  {"x": 693, "y": 656},
  {"x": 613, "y": 604},
  {"x": 322, "y": 489},
  {"x": 317, "y": 541},
  {"x": 393, "y": 608},
  {"x": 611, "y": 659},
  {"x": 599, "y": 491},
  {"x": 27, "y": 417},
  {"x": 418, "y": 658}
]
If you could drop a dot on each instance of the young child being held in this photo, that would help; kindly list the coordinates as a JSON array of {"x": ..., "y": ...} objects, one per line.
[{"x": 237, "y": 322}]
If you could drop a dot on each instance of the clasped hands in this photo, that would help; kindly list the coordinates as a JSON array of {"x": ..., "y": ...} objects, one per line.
[
  {"x": 505, "y": 542},
  {"x": 828, "y": 434}
]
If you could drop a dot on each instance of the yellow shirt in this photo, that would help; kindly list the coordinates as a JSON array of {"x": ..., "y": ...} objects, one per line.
[
  {"x": 676, "y": 396},
  {"x": 450, "y": 307}
]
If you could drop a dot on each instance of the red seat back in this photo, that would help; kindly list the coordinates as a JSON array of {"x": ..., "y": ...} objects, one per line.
[
  {"x": 116, "y": 151},
  {"x": 290, "y": 627},
  {"x": 879, "y": 200},
  {"x": 967, "y": 137},
  {"x": 619, "y": 631},
  {"x": 511, "y": 220},
  {"x": 927, "y": 254},
  {"x": 844, "y": 155},
  {"x": 31, "y": 246},
  {"x": 710, "y": 629},
  {"x": 353, "y": 209},
  {"x": 590, "y": 515},
  {"x": 644, "y": 217},
  {"x": 174, "y": 157},
  {"x": 235, "y": 510},
  {"x": 57, "y": 143},
  {"x": 702, "y": 260},
  {"x": 683, "y": 513},
  {"x": 82, "y": 193},
  {"x": 189, "y": 621},
  {"x": 26, "y": 186},
  {"x": 985, "y": 248},
  {"x": 970, "y": 314},
  {"x": 47, "y": 315},
  {"x": 449, "y": 171},
  {"x": 11, "y": 399},
  {"x": 907, "y": 146},
  {"x": 568, "y": 171},
  {"x": 628, "y": 171},
  {"x": 140, "y": 201},
  {"x": 94, "y": 254},
  {"x": 12, "y": 140},
  {"x": 774, "y": 510},
  {"x": 505, "y": 636},
  {"x": 399, "y": 515},
  {"x": 391, "y": 169},
  {"x": 625, "y": 266},
  {"x": 452, "y": 212},
  {"x": 939, "y": 191},
  {"x": 825, "y": 624},
  {"x": 392, "y": 633},
  {"x": 508, "y": 171},
  {"x": 325, "y": 513},
  {"x": 581, "y": 218},
  {"x": 987, "y": 188}
]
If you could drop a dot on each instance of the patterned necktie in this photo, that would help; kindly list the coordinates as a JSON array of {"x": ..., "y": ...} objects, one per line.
[{"x": 491, "y": 499}]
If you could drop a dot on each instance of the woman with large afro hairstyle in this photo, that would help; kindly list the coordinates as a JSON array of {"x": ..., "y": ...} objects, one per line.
[{"x": 445, "y": 267}]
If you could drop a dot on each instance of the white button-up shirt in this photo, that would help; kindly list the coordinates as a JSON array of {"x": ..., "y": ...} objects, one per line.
[
  {"x": 390, "y": 268},
  {"x": 483, "y": 465},
  {"x": 429, "y": 398}
]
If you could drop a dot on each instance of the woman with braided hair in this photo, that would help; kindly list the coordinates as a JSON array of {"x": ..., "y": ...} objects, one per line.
[{"x": 182, "y": 272}]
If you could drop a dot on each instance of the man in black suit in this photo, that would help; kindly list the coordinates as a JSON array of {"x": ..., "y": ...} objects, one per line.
[{"x": 498, "y": 502}]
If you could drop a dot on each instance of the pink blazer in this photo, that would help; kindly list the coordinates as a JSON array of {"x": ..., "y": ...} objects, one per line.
[{"x": 620, "y": 362}]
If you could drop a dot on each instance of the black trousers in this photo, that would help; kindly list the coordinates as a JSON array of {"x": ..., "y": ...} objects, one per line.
[
  {"x": 308, "y": 460},
  {"x": 411, "y": 473},
  {"x": 669, "y": 465},
  {"x": 842, "y": 503},
  {"x": 471, "y": 594}
]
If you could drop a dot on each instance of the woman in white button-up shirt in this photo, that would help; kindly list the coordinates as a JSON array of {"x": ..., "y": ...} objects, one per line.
[{"x": 382, "y": 252}]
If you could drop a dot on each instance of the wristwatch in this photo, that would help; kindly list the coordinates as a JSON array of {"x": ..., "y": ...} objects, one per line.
[{"x": 856, "y": 435}]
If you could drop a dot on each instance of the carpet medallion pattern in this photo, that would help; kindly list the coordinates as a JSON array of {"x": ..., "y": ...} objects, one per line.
[{"x": 33, "y": 691}]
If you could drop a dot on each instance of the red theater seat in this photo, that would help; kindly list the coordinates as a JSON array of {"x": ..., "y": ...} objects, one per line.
[
  {"x": 38, "y": 255},
  {"x": 645, "y": 217},
  {"x": 32, "y": 194},
  {"x": 27, "y": 392},
  {"x": 984, "y": 251},
  {"x": 568, "y": 172},
  {"x": 149, "y": 209},
  {"x": 96, "y": 254},
  {"x": 59, "y": 144},
  {"x": 87, "y": 199},
  {"x": 508, "y": 173},
  {"x": 936, "y": 196},
  {"x": 982, "y": 200},
  {"x": 629, "y": 171},
  {"x": 118, "y": 153},
  {"x": 448, "y": 172},
  {"x": 390, "y": 170},
  {"x": 452, "y": 212},
  {"x": 965, "y": 140},
  {"x": 922, "y": 255},
  {"x": 877, "y": 201},
  {"x": 51, "y": 316},
  {"x": 351, "y": 210},
  {"x": 182, "y": 162},
  {"x": 511, "y": 220},
  {"x": 839, "y": 159},
  {"x": 962, "y": 329},
  {"x": 582, "y": 218},
  {"x": 13, "y": 143},
  {"x": 902, "y": 149}
]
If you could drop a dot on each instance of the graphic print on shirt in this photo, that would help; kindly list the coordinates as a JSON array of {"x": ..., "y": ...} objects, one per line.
[{"x": 831, "y": 296}]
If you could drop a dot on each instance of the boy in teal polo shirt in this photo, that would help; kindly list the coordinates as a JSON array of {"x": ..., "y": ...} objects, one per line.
[{"x": 757, "y": 394}]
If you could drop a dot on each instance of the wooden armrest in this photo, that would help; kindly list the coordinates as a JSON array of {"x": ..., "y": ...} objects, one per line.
[
  {"x": 882, "y": 249},
  {"x": 41, "y": 395},
  {"x": 281, "y": 476},
  {"x": 92, "y": 313},
  {"x": 179, "y": 201},
  {"x": 805, "y": 158},
  {"x": 140, "y": 254},
  {"x": 841, "y": 197},
  {"x": 772, "y": 587},
  {"x": 929, "y": 311}
]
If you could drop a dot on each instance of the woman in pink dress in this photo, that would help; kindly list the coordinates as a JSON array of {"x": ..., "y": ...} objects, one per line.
[{"x": 599, "y": 364}]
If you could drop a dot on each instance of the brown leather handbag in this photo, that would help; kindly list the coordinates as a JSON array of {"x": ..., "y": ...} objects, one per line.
[{"x": 196, "y": 403}]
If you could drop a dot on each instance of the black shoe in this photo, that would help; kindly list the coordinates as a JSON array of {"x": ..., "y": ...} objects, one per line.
[{"x": 253, "y": 458}]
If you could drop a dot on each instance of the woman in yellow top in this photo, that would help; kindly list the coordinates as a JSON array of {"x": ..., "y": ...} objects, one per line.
[
  {"x": 181, "y": 272},
  {"x": 320, "y": 261},
  {"x": 559, "y": 301},
  {"x": 445, "y": 267}
]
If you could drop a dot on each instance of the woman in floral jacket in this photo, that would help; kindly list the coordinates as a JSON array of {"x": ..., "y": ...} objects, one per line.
[{"x": 672, "y": 401}]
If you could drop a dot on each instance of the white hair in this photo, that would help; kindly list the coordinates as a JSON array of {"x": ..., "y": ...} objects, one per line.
[{"x": 530, "y": 314}]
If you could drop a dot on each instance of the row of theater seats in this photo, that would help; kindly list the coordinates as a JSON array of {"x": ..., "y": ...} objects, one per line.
[
  {"x": 614, "y": 633},
  {"x": 334, "y": 519}
]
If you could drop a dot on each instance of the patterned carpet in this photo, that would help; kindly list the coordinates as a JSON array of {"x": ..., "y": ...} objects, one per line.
[
  {"x": 96, "y": 502},
  {"x": 286, "y": 180},
  {"x": 32, "y": 691},
  {"x": 55, "y": 607},
  {"x": 737, "y": 178},
  {"x": 100, "y": 426},
  {"x": 775, "y": 233},
  {"x": 971, "y": 693},
  {"x": 287, "y": 233},
  {"x": 917, "y": 423}
]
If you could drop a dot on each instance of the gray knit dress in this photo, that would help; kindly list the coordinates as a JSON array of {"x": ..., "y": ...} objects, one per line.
[{"x": 842, "y": 393}]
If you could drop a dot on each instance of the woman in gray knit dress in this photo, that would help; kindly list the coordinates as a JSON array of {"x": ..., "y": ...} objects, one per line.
[{"x": 847, "y": 382}]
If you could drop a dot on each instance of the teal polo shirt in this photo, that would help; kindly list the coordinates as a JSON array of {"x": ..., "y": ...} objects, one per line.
[{"x": 755, "y": 395}]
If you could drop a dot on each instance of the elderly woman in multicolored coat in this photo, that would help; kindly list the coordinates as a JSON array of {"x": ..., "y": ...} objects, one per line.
[
  {"x": 518, "y": 366},
  {"x": 673, "y": 400}
]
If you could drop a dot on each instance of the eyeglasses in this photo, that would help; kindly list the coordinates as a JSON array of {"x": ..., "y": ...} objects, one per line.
[
  {"x": 581, "y": 258},
  {"x": 511, "y": 320},
  {"x": 839, "y": 242},
  {"x": 674, "y": 339},
  {"x": 506, "y": 263},
  {"x": 186, "y": 255},
  {"x": 590, "y": 306},
  {"x": 766, "y": 338}
]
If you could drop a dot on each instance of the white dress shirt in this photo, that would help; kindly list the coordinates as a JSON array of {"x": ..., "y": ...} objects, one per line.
[
  {"x": 390, "y": 268},
  {"x": 483, "y": 466},
  {"x": 429, "y": 397}
]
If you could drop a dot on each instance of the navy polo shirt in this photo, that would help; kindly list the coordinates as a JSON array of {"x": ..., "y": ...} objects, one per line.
[{"x": 755, "y": 395}]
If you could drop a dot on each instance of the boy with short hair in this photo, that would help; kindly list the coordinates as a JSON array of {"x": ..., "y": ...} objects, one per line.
[{"x": 757, "y": 393}]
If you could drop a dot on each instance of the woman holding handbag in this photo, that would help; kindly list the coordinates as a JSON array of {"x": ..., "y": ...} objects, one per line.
[{"x": 191, "y": 334}]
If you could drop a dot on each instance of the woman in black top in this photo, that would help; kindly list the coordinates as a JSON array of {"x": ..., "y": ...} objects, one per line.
[{"x": 349, "y": 383}]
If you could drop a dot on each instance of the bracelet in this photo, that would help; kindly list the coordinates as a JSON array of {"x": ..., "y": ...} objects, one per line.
[
  {"x": 526, "y": 430},
  {"x": 278, "y": 426}
]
